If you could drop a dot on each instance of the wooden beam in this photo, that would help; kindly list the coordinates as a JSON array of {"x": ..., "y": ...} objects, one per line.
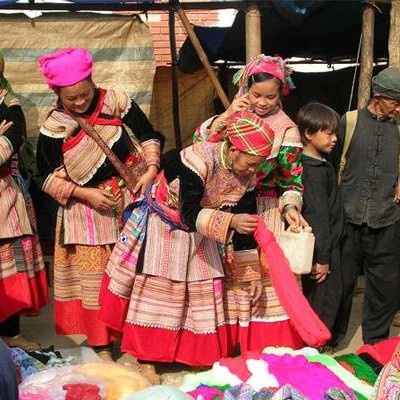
[
  {"x": 394, "y": 35},
  {"x": 367, "y": 55},
  {"x": 203, "y": 57},
  {"x": 253, "y": 31},
  {"x": 130, "y": 6},
  {"x": 174, "y": 79}
]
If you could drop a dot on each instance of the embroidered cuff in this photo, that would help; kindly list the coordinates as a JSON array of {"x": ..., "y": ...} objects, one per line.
[
  {"x": 59, "y": 188},
  {"x": 245, "y": 266},
  {"x": 291, "y": 197},
  {"x": 151, "y": 152},
  {"x": 214, "y": 224},
  {"x": 6, "y": 150}
]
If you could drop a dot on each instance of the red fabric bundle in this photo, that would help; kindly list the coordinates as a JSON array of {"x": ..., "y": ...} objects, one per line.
[
  {"x": 82, "y": 391},
  {"x": 310, "y": 327}
]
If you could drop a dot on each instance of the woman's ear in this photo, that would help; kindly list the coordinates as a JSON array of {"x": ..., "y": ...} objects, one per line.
[{"x": 233, "y": 151}]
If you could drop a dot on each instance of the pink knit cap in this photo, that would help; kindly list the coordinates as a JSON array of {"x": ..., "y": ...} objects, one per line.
[{"x": 66, "y": 67}]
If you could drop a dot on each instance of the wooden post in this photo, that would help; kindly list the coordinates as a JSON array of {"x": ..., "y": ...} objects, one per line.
[
  {"x": 394, "y": 35},
  {"x": 175, "y": 79},
  {"x": 203, "y": 57},
  {"x": 253, "y": 32},
  {"x": 367, "y": 55}
]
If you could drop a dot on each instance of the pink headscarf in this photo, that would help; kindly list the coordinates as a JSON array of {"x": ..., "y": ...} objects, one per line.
[
  {"x": 275, "y": 66},
  {"x": 66, "y": 67}
]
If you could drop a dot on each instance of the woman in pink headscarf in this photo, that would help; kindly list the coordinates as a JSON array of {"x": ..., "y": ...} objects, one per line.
[
  {"x": 91, "y": 194},
  {"x": 261, "y": 84}
]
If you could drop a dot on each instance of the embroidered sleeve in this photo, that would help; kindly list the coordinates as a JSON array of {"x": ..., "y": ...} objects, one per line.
[
  {"x": 59, "y": 188},
  {"x": 214, "y": 224},
  {"x": 290, "y": 170},
  {"x": 211, "y": 223},
  {"x": 203, "y": 130},
  {"x": 151, "y": 152}
]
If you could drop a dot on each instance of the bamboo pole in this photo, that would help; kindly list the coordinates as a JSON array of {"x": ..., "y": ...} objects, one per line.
[
  {"x": 253, "y": 31},
  {"x": 203, "y": 57},
  {"x": 367, "y": 55},
  {"x": 394, "y": 35}
]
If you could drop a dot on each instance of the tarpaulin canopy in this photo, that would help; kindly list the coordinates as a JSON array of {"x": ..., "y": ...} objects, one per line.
[{"x": 318, "y": 30}]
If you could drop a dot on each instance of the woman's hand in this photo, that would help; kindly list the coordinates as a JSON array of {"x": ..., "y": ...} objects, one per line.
[
  {"x": 244, "y": 223},
  {"x": 294, "y": 218},
  {"x": 4, "y": 126},
  {"x": 145, "y": 180},
  {"x": 319, "y": 272},
  {"x": 238, "y": 104},
  {"x": 255, "y": 291},
  {"x": 99, "y": 199}
]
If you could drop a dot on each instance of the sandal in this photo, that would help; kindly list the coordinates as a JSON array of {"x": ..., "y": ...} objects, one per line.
[
  {"x": 21, "y": 342},
  {"x": 105, "y": 355}
]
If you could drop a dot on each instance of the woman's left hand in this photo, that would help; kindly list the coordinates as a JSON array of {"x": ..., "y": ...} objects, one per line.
[
  {"x": 295, "y": 219},
  {"x": 145, "y": 180},
  {"x": 4, "y": 126}
]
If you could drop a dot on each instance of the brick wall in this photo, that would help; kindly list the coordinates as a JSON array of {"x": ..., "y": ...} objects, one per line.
[{"x": 158, "y": 24}]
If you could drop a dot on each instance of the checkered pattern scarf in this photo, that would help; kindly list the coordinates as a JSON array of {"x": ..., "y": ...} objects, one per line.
[{"x": 250, "y": 134}]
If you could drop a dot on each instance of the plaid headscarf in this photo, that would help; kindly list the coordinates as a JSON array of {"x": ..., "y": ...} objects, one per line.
[
  {"x": 4, "y": 83},
  {"x": 275, "y": 66},
  {"x": 248, "y": 133}
]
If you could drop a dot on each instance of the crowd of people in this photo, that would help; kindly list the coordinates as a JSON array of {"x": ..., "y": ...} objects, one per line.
[{"x": 160, "y": 251}]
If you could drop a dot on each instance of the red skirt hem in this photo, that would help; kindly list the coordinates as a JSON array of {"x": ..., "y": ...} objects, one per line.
[
  {"x": 71, "y": 318},
  {"x": 166, "y": 345},
  {"x": 23, "y": 295}
]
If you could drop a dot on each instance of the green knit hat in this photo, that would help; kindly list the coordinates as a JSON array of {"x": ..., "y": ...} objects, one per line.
[{"x": 387, "y": 83}]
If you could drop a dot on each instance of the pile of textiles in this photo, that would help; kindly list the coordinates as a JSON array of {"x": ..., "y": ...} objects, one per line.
[
  {"x": 90, "y": 381},
  {"x": 282, "y": 373},
  {"x": 28, "y": 362}
]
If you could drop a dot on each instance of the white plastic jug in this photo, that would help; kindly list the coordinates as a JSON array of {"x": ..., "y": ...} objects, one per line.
[{"x": 298, "y": 248}]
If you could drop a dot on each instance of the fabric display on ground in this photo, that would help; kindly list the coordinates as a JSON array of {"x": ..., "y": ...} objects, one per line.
[
  {"x": 90, "y": 381},
  {"x": 282, "y": 373}
]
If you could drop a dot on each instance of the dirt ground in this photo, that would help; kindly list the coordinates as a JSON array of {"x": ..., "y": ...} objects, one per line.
[{"x": 41, "y": 330}]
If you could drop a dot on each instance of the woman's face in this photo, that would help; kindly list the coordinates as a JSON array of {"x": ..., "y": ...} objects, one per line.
[
  {"x": 244, "y": 164},
  {"x": 264, "y": 96},
  {"x": 77, "y": 98}
]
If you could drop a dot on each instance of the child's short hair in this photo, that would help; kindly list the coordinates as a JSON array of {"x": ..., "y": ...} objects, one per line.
[{"x": 313, "y": 117}]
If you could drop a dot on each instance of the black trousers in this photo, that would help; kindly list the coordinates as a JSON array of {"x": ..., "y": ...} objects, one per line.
[{"x": 378, "y": 252}]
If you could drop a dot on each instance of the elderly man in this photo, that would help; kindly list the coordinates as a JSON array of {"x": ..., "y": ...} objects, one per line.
[{"x": 369, "y": 174}]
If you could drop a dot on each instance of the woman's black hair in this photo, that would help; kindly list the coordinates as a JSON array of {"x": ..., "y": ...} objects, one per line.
[
  {"x": 313, "y": 117},
  {"x": 261, "y": 77}
]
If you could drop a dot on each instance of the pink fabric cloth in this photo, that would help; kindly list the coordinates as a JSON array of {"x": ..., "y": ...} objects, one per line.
[
  {"x": 297, "y": 371},
  {"x": 66, "y": 67},
  {"x": 304, "y": 319},
  {"x": 275, "y": 66},
  {"x": 248, "y": 133}
]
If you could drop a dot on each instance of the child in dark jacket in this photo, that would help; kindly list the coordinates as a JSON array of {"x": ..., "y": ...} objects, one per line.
[{"x": 322, "y": 209}]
